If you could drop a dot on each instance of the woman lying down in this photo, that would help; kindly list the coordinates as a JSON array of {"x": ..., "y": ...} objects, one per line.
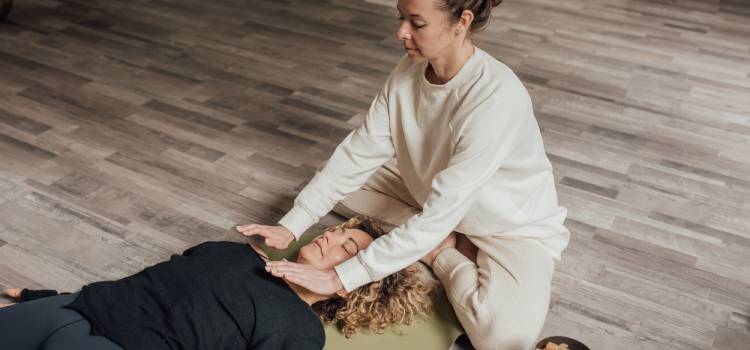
[{"x": 217, "y": 295}]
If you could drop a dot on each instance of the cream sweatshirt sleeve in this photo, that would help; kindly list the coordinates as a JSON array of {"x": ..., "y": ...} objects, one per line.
[
  {"x": 487, "y": 135},
  {"x": 353, "y": 161}
]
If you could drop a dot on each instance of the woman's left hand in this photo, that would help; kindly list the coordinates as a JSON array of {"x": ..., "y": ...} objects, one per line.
[{"x": 324, "y": 282}]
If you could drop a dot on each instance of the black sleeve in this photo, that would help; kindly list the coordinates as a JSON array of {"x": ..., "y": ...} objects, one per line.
[
  {"x": 284, "y": 342},
  {"x": 201, "y": 249},
  {"x": 221, "y": 248},
  {"x": 192, "y": 250},
  {"x": 302, "y": 344}
]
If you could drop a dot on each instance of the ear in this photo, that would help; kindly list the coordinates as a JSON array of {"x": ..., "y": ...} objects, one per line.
[
  {"x": 465, "y": 21},
  {"x": 343, "y": 294}
]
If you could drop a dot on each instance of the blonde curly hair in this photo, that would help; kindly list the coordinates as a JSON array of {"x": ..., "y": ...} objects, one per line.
[{"x": 395, "y": 300}]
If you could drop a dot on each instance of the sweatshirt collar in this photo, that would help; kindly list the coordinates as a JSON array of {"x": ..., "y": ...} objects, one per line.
[{"x": 463, "y": 75}]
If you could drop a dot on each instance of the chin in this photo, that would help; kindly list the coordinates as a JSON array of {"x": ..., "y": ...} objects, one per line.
[
  {"x": 416, "y": 58},
  {"x": 305, "y": 254}
]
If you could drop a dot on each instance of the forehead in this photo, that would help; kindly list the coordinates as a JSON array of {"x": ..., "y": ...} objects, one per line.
[
  {"x": 362, "y": 238},
  {"x": 416, "y": 7}
]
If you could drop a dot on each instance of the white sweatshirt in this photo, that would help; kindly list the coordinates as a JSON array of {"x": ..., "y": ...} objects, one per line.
[{"x": 470, "y": 152}]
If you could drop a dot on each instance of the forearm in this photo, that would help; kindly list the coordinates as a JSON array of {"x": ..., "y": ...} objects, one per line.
[{"x": 353, "y": 161}]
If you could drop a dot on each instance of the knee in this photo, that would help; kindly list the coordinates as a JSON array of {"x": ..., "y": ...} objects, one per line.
[
  {"x": 504, "y": 337},
  {"x": 505, "y": 342},
  {"x": 518, "y": 341}
]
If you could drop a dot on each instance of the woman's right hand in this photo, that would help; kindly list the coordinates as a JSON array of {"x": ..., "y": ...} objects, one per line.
[{"x": 277, "y": 237}]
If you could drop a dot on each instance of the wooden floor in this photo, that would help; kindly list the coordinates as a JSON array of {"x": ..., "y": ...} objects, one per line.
[{"x": 130, "y": 130}]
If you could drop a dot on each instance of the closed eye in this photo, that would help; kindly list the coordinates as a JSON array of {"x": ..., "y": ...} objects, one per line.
[
  {"x": 401, "y": 18},
  {"x": 351, "y": 248}
]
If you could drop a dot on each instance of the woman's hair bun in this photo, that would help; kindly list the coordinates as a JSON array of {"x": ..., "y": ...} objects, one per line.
[{"x": 482, "y": 10}]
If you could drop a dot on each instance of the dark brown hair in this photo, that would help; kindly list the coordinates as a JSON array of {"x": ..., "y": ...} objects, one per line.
[
  {"x": 480, "y": 8},
  {"x": 396, "y": 299}
]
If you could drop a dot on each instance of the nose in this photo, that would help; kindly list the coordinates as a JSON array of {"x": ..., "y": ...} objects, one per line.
[
  {"x": 329, "y": 235},
  {"x": 403, "y": 33}
]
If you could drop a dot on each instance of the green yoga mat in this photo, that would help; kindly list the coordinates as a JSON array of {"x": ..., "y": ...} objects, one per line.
[{"x": 436, "y": 331}]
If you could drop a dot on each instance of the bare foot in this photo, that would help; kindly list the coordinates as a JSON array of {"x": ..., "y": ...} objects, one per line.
[
  {"x": 13, "y": 293},
  {"x": 448, "y": 242}
]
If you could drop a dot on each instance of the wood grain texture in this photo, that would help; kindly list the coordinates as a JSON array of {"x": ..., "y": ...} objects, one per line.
[{"x": 132, "y": 130}]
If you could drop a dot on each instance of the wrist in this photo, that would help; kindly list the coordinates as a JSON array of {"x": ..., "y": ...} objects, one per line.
[
  {"x": 297, "y": 221},
  {"x": 353, "y": 274},
  {"x": 336, "y": 280},
  {"x": 339, "y": 286}
]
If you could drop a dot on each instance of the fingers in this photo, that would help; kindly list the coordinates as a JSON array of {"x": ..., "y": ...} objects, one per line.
[
  {"x": 319, "y": 281},
  {"x": 6, "y": 305},
  {"x": 285, "y": 265},
  {"x": 241, "y": 228},
  {"x": 293, "y": 277},
  {"x": 283, "y": 271},
  {"x": 296, "y": 279},
  {"x": 279, "y": 273},
  {"x": 286, "y": 268},
  {"x": 293, "y": 274},
  {"x": 245, "y": 227},
  {"x": 276, "y": 237},
  {"x": 271, "y": 238},
  {"x": 253, "y": 229}
]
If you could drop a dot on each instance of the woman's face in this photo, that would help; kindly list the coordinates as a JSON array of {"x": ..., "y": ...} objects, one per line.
[
  {"x": 333, "y": 247},
  {"x": 424, "y": 31}
]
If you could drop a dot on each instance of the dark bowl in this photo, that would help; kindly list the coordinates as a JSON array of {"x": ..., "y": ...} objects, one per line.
[{"x": 572, "y": 343}]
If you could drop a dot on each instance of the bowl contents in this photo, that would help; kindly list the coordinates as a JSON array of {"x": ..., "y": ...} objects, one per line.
[{"x": 553, "y": 346}]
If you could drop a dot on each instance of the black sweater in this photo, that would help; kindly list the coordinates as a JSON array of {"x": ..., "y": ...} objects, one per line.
[{"x": 216, "y": 295}]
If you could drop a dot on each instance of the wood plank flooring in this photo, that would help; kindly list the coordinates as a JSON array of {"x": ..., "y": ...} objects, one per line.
[{"x": 132, "y": 130}]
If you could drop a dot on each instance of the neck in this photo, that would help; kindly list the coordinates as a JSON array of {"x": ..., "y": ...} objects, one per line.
[
  {"x": 444, "y": 68},
  {"x": 305, "y": 294}
]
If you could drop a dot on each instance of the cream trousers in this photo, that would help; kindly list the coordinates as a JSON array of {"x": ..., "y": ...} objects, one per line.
[{"x": 502, "y": 300}]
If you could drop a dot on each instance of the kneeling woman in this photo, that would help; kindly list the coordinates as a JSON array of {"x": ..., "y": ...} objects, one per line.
[{"x": 217, "y": 295}]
